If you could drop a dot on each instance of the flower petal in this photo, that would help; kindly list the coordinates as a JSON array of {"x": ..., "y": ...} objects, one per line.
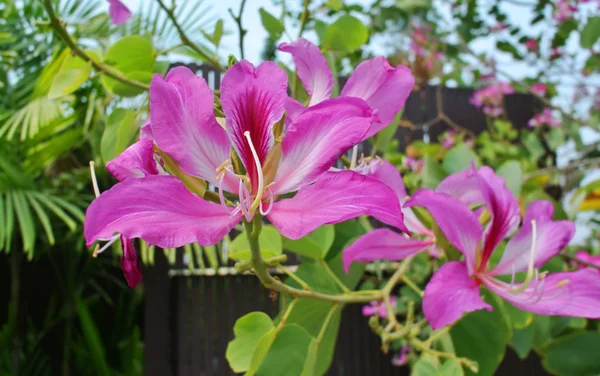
[
  {"x": 383, "y": 244},
  {"x": 335, "y": 197},
  {"x": 312, "y": 69},
  {"x": 130, "y": 264},
  {"x": 253, "y": 101},
  {"x": 293, "y": 109},
  {"x": 316, "y": 140},
  {"x": 579, "y": 297},
  {"x": 158, "y": 209},
  {"x": 450, "y": 294},
  {"x": 551, "y": 238},
  {"x": 586, "y": 257},
  {"x": 118, "y": 12},
  {"x": 455, "y": 219},
  {"x": 135, "y": 162},
  {"x": 464, "y": 186},
  {"x": 384, "y": 87},
  {"x": 184, "y": 126}
]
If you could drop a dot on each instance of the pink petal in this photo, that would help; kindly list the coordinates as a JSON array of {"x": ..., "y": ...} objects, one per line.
[
  {"x": 384, "y": 87},
  {"x": 449, "y": 294},
  {"x": 312, "y": 69},
  {"x": 579, "y": 297},
  {"x": 183, "y": 124},
  {"x": 146, "y": 131},
  {"x": 315, "y": 141},
  {"x": 253, "y": 100},
  {"x": 119, "y": 13},
  {"x": 551, "y": 238},
  {"x": 293, "y": 109},
  {"x": 130, "y": 264},
  {"x": 383, "y": 244},
  {"x": 586, "y": 257},
  {"x": 335, "y": 197},
  {"x": 457, "y": 222},
  {"x": 135, "y": 162},
  {"x": 158, "y": 209},
  {"x": 464, "y": 186}
]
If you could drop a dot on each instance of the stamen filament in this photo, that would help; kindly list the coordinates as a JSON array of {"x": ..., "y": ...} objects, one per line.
[
  {"x": 530, "y": 269},
  {"x": 108, "y": 244},
  {"x": 94, "y": 180},
  {"x": 244, "y": 200},
  {"x": 261, "y": 178},
  {"x": 266, "y": 212},
  {"x": 221, "y": 195},
  {"x": 354, "y": 156}
]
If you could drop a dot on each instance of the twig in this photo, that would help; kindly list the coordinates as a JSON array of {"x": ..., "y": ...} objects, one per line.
[
  {"x": 107, "y": 70},
  {"x": 571, "y": 166},
  {"x": 304, "y": 18},
  {"x": 187, "y": 41},
  {"x": 387, "y": 290},
  {"x": 293, "y": 276},
  {"x": 340, "y": 284},
  {"x": 579, "y": 261},
  {"x": 241, "y": 31}
]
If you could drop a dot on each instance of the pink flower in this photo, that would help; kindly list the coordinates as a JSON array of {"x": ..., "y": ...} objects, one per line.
[
  {"x": 532, "y": 45},
  {"x": 402, "y": 358},
  {"x": 378, "y": 308},
  {"x": 544, "y": 118},
  {"x": 586, "y": 257},
  {"x": 498, "y": 27},
  {"x": 538, "y": 89},
  {"x": 384, "y": 243},
  {"x": 449, "y": 139},
  {"x": 382, "y": 86},
  {"x": 564, "y": 11},
  {"x": 556, "y": 53},
  {"x": 119, "y": 13},
  {"x": 491, "y": 98},
  {"x": 454, "y": 288},
  {"x": 161, "y": 210}
]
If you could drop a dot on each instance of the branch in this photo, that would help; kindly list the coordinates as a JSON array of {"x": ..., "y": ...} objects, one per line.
[
  {"x": 63, "y": 34},
  {"x": 578, "y": 261},
  {"x": 577, "y": 164},
  {"x": 187, "y": 41},
  {"x": 241, "y": 31},
  {"x": 304, "y": 18}
]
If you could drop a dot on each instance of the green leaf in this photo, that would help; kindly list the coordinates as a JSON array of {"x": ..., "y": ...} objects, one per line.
[
  {"x": 120, "y": 132},
  {"x": 269, "y": 241},
  {"x": 482, "y": 336},
  {"x": 451, "y": 367},
  {"x": 248, "y": 331},
  {"x": 347, "y": 34},
  {"x": 540, "y": 331},
  {"x": 310, "y": 365},
  {"x": 260, "y": 351},
  {"x": 519, "y": 319},
  {"x": 459, "y": 158},
  {"x": 288, "y": 353},
  {"x": 133, "y": 56},
  {"x": 522, "y": 341},
  {"x": 315, "y": 245},
  {"x": 574, "y": 355},
  {"x": 508, "y": 48},
  {"x": 335, "y": 4},
  {"x": 25, "y": 219},
  {"x": 590, "y": 33},
  {"x": 73, "y": 73},
  {"x": 592, "y": 63},
  {"x": 427, "y": 365},
  {"x": 271, "y": 24},
  {"x": 92, "y": 339},
  {"x": 218, "y": 33},
  {"x": 513, "y": 175},
  {"x": 432, "y": 172}
]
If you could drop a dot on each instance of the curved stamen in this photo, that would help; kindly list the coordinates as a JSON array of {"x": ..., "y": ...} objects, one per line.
[
  {"x": 221, "y": 196},
  {"x": 354, "y": 157},
  {"x": 561, "y": 285},
  {"x": 261, "y": 178},
  {"x": 541, "y": 294},
  {"x": 266, "y": 212},
  {"x": 512, "y": 277},
  {"x": 94, "y": 181},
  {"x": 243, "y": 204},
  {"x": 108, "y": 244},
  {"x": 530, "y": 268},
  {"x": 536, "y": 284}
]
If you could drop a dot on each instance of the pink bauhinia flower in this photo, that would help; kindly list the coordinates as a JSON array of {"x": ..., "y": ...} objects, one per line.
[
  {"x": 402, "y": 358},
  {"x": 449, "y": 139},
  {"x": 119, "y": 13},
  {"x": 384, "y": 243},
  {"x": 491, "y": 98},
  {"x": 454, "y": 288},
  {"x": 378, "y": 308},
  {"x": 161, "y": 210},
  {"x": 538, "y": 89},
  {"x": 544, "y": 118},
  {"x": 382, "y": 86},
  {"x": 586, "y": 257}
]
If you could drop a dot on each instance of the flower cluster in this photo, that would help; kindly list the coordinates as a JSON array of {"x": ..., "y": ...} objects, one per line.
[
  {"x": 544, "y": 118},
  {"x": 564, "y": 11},
  {"x": 491, "y": 98}
]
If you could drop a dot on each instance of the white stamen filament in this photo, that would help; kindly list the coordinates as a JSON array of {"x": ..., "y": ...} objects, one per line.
[
  {"x": 110, "y": 242},
  {"x": 261, "y": 178},
  {"x": 221, "y": 196},
  {"x": 530, "y": 269},
  {"x": 94, "y": 181},
  {"x": 354, "y": 157},
  {"x": 266, "y": 212},
  {"x": 244, "y": 196}
]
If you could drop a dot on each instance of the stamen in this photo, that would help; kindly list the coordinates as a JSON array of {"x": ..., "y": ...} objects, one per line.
[
  {"x": 354, "y": 156},
  {"x": 110, "y": 242},
  {"x": 536, "y": 283},
  {"x": 221, "y": 196},
  {"x": 261, "y": 178},
  {"x": 541, "y": 294},
  {"x": 244, "y": 200},
  {"x": 94, "y": 181},
  {"x": 266, "y": 212},
  {"x": 530, "y": 269},
  {"x": 512, "y": 277}
]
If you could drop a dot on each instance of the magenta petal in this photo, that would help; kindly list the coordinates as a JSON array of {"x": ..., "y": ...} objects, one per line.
[
  {"x": 586, "y": 257},
  {"x": 293, "y": 109},
  {"x": 135, "y": 162},
  {"x": 450, "y": 294},
  {"x": 118, "y": 12},
  {"x": 158, "y": 209},
  {"x": 551, "y": 238},
  {"x": 464, "y": 186},
  {"x": 457, "y": 222},
  {"x": 579, "y": 297},
  {"x": 312, "y": 69},
  {"x": 315, "y": 141},
  {"x": 335, "y": 197},
  {"x": 130, "y": 264},
  {"x": 383, "y": 244},
  {"x": 253, "y": 101},
  {"x": 384, "y": 87},
  {"x": 183, "y": 124}
]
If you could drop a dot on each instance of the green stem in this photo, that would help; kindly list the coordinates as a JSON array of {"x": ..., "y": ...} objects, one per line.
[
  {"x": 252, "y": 232},
  {"x": 187, "y": 41},
  {"x": 100, "y": 67},
  {"x": 293, "y": 276},
  {"x": 412, "y": 285},
  {"x": 387, "y": 290},
  {"x": 304, "y": 18},
  {"x": 334, "y": 277},
  {"x": 241, "y": 31}
]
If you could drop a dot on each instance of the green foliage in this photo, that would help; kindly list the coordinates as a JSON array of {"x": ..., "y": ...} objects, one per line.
[
  {"x": 459, "y": 158},
  {"x": 590, "y": 33},
  {"x": 574, "y": 355},
  {"x": 269, "y": 241},
  {"x": 133, "y": 56},
  {"x": 315, "y": 244},
  {"x": 121, "y": 130},
  {"x": 346, "y": 34},
  {"x": 248, "y": 331},
  {"x": 273, "y": 26}
]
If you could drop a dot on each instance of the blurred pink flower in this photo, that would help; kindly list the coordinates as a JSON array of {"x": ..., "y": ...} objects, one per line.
[
  {"x": 538, "y": 89},
  {"x": 498, "y": 27},
  {"x": 378, "y": 308},
  {"x": 556, "y": 53},
  {"x": 414, "y": 164},
  {"x": 586, "y": 257},
  {"x": 564, "y": 11},
  {"x": 544, "y": 117},
  {"x": 119, "y": 13},
  {"x": 449, "y": 139},
  {"x": 490, "y": 98},
  {"x": 532, "y": 45},
  {"x": 402, "y": 358}
]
